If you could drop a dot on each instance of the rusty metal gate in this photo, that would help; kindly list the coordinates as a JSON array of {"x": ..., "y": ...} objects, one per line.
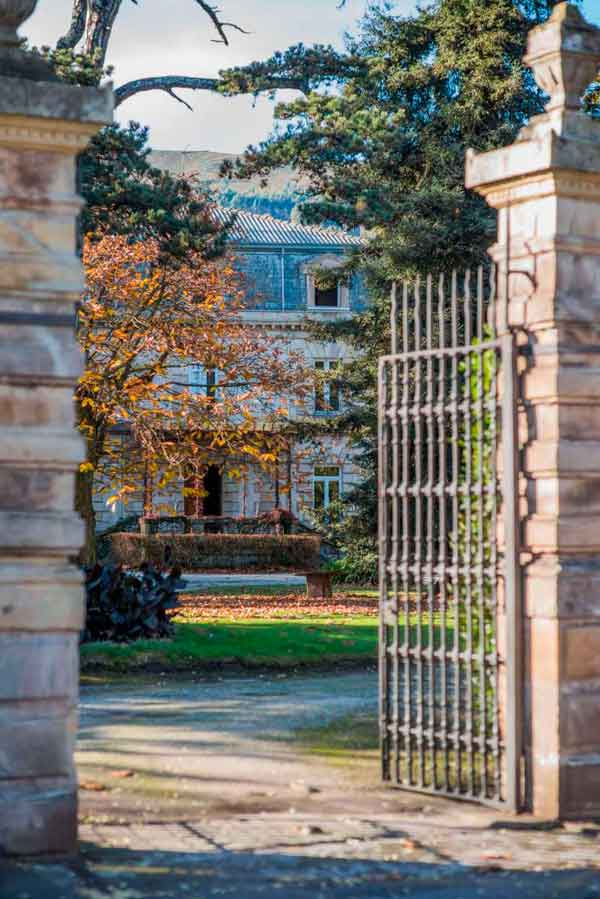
[{"x": 450, "y": 627}]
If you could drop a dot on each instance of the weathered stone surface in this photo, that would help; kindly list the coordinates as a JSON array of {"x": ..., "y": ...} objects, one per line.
[
  {"x": 581, "y": 717},
  {"x": 38, "y": 489},
  {"x": 40, "y": 597},
  {"x": 582, "y": 652},
  {"x": 36, "y": 407},
  {"x": 542, "y": 699},
  {"x": 43, "y": 126},
  {"x": 44, "y": 102},
  {"x": 38, "y": 666},
  {"x": 39, "y": 353},
  {"x": 42, "y": 444},
  {"x": 55, "y": 532},
  {"x": 34, "y": 745},
  {"x": 38, "y": 817},
  {"x": 580, "y": 788}
]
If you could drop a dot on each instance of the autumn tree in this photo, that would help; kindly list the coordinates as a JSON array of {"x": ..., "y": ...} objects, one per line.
[{"x": 142, "y": 324}]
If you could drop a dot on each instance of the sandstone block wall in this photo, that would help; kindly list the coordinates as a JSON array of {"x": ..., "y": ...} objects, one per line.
[{"x": 42, "y": 128}]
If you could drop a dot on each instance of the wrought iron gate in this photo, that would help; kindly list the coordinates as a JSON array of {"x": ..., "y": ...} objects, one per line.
[{"x": 450, "y": 674}]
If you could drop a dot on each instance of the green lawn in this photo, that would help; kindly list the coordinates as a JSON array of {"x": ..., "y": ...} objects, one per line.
[{"x": 256, "y": 642}]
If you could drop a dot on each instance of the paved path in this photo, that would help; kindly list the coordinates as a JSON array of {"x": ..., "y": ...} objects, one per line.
[
  {"x": 207, "y": 581},
  {"x": 210, "y": 795},
  {"x": 215, "y": 745}
]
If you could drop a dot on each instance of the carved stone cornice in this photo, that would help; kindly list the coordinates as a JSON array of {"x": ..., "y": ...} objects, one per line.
[
  {"x": 20, "y": 97},
  {"x": 45, "y": 134},
  {"x": 526, "y": 247},
  {"x": 533, "y": 169}
]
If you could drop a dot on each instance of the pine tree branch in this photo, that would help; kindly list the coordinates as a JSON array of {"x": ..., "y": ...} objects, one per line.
[
  {"x": 168, "y": 83},
  {"x": 164, "y": 83}
]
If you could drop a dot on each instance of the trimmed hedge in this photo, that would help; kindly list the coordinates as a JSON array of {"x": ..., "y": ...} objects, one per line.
[{"x": 196, "y": 552}]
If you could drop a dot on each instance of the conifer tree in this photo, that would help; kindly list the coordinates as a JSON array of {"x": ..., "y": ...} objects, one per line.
[{"x": 380, "y": 134}]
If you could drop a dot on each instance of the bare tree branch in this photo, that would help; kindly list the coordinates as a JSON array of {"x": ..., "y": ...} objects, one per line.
[
  {"x": 77, "y": 27},
  {"x": 93, "y": 21},
  {"x": 213, "y": 13}
]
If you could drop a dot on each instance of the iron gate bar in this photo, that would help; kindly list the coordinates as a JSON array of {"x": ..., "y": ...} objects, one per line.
[
  {"x": 439, "y": 440},
  {"x": 514, "y": 610},
  {"x": 442, "y": 551}
]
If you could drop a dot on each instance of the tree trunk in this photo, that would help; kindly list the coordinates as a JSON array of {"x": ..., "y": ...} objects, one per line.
[{"x": 84, "y": 504}]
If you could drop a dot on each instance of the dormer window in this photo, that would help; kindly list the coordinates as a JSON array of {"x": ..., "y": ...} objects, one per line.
[
  {"x": 327, "y": 297},
  {"x": 326, "y": 288}
]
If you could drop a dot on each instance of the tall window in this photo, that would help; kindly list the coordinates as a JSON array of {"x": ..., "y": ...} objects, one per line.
[
  {"x": 327, "y": 388},
  {"x": 326, "y": 485},
  {"x": 203, "y": 381}
]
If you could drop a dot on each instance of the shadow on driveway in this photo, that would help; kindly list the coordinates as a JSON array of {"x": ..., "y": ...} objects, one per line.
[{"x": 118, "y": 873}]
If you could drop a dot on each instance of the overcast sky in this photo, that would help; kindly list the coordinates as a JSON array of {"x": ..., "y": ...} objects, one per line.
[{"x": 173, "y": 37}]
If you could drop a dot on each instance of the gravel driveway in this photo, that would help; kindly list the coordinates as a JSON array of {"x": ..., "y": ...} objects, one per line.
[{"x": 200, "y": 788}]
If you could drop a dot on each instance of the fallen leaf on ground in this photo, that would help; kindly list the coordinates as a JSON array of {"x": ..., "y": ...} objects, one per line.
[
  {"x": 93, "y": 786},
  {"x": 125, "y": 773},
  {"x": 196, "y": 607}
]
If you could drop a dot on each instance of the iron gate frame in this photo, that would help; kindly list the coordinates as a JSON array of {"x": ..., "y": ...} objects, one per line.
[{"x": 509, "y": 794}]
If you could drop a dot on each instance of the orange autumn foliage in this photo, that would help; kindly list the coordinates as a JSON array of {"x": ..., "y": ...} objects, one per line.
[{"x": 142, "y": 324}]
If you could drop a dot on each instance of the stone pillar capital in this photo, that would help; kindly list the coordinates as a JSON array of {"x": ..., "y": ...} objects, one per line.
[{"x": 564, "y": 53}]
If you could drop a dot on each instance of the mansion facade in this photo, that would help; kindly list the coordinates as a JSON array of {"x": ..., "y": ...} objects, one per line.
[{"x": 278, "y": 260}]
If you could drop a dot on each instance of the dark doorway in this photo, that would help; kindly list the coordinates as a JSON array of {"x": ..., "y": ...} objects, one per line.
[
  {"x": 212, "y": 502},
  {"x": 213, "y": 485}
]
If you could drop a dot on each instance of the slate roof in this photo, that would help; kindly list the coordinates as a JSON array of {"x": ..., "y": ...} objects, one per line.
[{"x": 264, "y": 230}]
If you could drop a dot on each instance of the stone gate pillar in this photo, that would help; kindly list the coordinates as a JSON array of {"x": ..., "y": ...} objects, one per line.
[
  {"x": 546, "y": 188},
  {"x": 44, "y": 124}
]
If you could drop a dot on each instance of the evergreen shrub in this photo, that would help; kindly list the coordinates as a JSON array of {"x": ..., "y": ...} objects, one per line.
[{"x": 123, "y": 606}]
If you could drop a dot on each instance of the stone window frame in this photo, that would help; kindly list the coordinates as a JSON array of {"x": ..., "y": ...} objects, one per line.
[
  {"x": 327, "y": 480},
  {"x": 328, "y": 365},
  {"x": 327, "y": 262}
]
